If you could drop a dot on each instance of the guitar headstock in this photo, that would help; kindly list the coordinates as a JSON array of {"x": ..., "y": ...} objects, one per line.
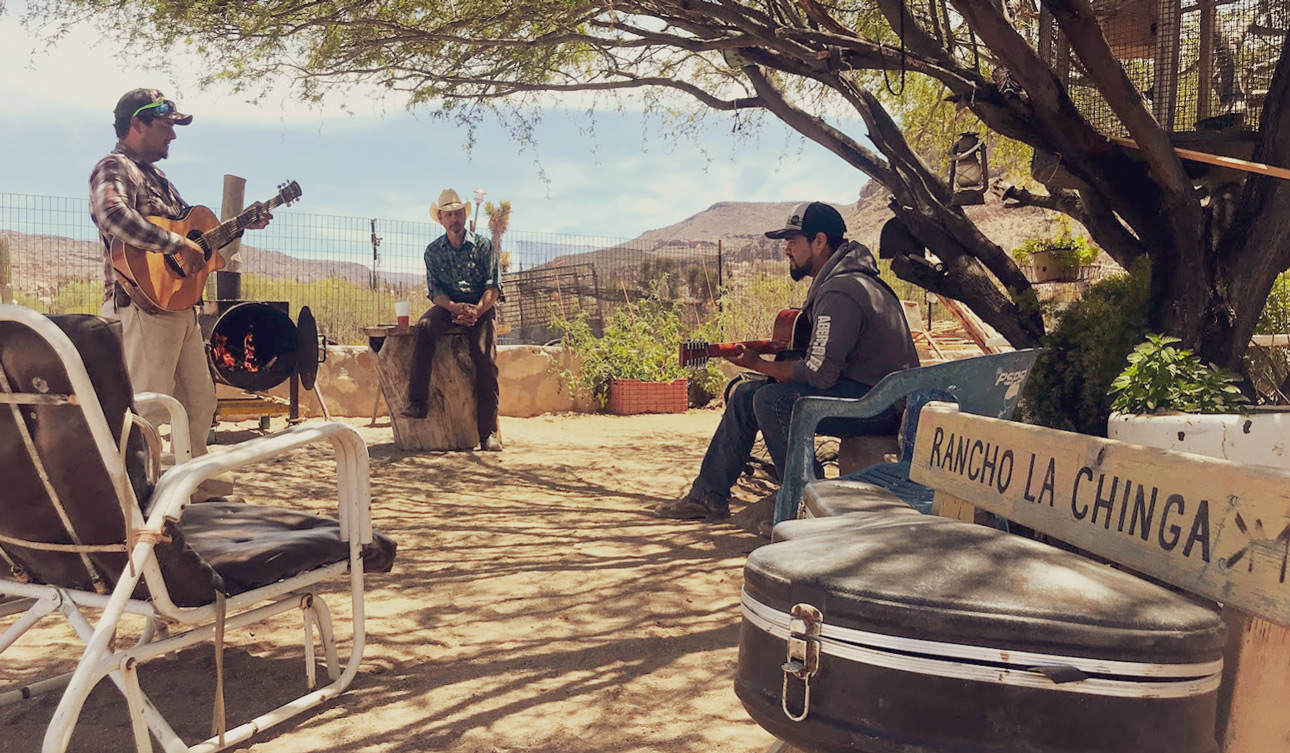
[
  {"x": 694, "y": 353},
  {"x": 289, "y": 192}
]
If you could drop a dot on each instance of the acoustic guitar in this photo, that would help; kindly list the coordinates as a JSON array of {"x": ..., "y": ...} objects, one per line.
[
  {"x": 157, "y": 279},
  {"x": 789, "y": 337}
]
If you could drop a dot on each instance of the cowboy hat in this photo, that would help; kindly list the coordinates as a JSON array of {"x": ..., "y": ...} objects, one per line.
[{"x": 448, "y": 201}]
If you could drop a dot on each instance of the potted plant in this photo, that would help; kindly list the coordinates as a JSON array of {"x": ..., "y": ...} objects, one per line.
[
  {"x": 632, "y": 366},
  {"x": 1056, "y": 259},
  {"x": 1169, "y": 398}
]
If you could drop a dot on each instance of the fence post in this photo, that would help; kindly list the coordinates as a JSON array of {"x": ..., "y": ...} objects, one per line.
[
  {"x": 6, "y": 272},
  {"x": 228, "y": 281},
  {"x": 376, "y": 256},
  {"x": 720, "y": 271}
]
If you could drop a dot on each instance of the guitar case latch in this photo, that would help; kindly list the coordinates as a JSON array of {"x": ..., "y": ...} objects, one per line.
[{"x": 803, "y": 662}]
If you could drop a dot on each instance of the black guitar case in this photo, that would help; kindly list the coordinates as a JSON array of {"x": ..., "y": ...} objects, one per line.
[{"x": 886, "y": 631}]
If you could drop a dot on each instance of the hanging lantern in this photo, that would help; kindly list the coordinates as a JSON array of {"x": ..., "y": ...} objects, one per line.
[{"x": 968, "y": 172}]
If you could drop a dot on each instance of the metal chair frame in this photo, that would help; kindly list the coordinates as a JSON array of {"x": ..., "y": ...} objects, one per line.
[{"x": 202, "y": 624}]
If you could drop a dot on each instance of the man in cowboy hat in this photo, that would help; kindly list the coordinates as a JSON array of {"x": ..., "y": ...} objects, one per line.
[
  {"x": 858, "y": 335},
  {"x": 463, "y": 281},
  {"x": 164, "y": 350}
]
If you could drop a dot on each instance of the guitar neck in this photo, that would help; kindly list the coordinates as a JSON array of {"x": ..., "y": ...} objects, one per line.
[
  {"x": 223, "y": 235},
  {"x": 697, "y": 353},
  {"x": 721, "y": 350}
]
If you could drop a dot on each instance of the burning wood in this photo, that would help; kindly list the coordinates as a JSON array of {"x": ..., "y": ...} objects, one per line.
[
  {"x": 220, "y": 354},
  {"x": 249, "y": 363},
  {"x": 228, "y": 359}
]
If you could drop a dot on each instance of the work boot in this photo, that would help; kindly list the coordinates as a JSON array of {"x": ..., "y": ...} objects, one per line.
[
  {"x": 691, "y": 507},
  {"x": 415, "y": 409},
  {"x": 491, "y": 443}
]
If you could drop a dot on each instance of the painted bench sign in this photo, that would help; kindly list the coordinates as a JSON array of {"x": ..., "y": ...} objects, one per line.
[{"x": 1216, "y": 528}]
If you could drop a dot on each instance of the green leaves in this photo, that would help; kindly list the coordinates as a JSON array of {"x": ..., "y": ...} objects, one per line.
[
  {"x": 1070, "y": 250},
  {"x": 641, "y": 340},
  {"x": 1163, "y": 377}
]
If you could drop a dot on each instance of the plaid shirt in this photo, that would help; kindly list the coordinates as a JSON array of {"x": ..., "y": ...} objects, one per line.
[
  {"x": 462, "y": 274},
  {"x": 124, "y": 190}
]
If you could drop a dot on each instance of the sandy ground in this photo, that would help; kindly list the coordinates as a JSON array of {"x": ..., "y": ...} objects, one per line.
[{"x": 536, "y": 605}]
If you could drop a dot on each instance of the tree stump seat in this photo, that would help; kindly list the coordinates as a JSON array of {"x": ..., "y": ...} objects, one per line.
[{"x": 450, "y": 419}]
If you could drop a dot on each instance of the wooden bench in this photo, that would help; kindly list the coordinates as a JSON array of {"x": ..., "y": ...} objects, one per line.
[
  {"x": 987, "y": 385},
  {"x": 1214, "y": 528}
]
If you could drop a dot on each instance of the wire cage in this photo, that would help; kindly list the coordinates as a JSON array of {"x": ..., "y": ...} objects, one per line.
[{"x": 1204, "y": 66}]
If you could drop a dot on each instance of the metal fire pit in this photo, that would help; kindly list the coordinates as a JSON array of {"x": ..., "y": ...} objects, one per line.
[{"x": 254, "y": 346}]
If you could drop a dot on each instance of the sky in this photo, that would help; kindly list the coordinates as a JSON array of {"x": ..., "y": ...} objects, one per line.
[{"x": 380, "y": 160}]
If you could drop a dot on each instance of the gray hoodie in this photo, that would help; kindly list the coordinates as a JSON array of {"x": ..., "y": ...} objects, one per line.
[{"x": 858, "y": 327}]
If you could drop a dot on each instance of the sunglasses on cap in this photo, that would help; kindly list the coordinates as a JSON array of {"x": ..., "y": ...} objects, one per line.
[{"x": 160, "y": 108}]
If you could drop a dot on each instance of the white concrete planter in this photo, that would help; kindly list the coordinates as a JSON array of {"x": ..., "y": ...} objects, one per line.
[{"x": 1259, "y": 437}]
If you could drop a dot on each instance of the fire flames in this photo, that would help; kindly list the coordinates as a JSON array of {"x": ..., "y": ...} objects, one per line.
[{"x": 226, "y": 357}]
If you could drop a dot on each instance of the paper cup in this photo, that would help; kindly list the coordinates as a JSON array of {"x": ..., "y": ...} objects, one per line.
[{"x": 403, "y": 312}]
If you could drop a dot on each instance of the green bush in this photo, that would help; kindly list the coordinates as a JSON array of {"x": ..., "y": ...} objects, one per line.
[
  {"x": 641, "y": 341},
  {"x": 1161, "y": 377},
  {"x": 1268, "y": 368},
  {"x": 1068, "y": 250},
  {"x": 1085, "y": 350}
]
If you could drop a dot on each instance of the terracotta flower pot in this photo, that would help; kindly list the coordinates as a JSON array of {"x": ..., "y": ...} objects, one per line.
[{"x": 627, "y": 396}]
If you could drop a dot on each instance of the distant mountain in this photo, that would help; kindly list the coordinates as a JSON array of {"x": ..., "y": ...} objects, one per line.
[
  {"x": 42, "y": 264},
  {"x": 741, "y": 227}
]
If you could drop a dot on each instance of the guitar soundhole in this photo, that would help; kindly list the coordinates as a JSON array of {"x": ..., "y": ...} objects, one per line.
[
  {"x": 196, "y": 237},
  {"x": 174, "y": 265}
]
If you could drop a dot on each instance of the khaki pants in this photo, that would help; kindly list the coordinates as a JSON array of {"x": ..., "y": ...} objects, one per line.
[{"x": 166, "y": 353}]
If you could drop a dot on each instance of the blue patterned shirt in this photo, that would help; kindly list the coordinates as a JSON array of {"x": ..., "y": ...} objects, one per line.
[{"x": 462, "y": 274}]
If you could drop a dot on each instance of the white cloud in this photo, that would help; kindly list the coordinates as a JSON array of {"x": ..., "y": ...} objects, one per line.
[{"x": 84, "y": 72}]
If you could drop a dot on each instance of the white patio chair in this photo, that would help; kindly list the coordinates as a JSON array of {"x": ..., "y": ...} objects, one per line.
[{"x": 84, "y": 530}]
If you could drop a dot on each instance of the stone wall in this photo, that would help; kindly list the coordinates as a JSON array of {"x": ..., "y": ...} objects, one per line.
[{"x": 529, "y": 385}]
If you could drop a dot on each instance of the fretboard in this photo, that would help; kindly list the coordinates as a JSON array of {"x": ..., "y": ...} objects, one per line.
[{"x": 223, "y": 235}]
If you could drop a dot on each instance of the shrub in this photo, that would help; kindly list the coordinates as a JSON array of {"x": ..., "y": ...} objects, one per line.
[
  {"x": 1085, "y": 350},
  {"x": 1161, "y": 377},
  {"x": 641, "y": 341},
  {"x": 1269, "y": 368}
]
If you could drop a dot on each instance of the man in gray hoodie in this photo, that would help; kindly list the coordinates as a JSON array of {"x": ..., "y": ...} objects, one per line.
[{"x": 858, "y": 336}]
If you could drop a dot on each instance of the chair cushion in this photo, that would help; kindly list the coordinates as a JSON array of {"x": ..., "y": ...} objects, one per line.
[
  {"x": 252, "y": 546},
  {"x": 846, "y": 495},
  {"x": 72, "y": 467},
  {"x": 894, "y": 477}
]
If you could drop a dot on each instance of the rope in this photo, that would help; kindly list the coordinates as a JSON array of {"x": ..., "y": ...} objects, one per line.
[
  {"x": 886, "y": 82},
  {"x": 70, "y": 548},
  {"x": 39, "y": 466}
]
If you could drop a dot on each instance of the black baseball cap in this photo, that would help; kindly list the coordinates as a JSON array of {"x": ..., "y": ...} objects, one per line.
[
  {"x": 811, "y": 218},
  {"x": 138, "y": 101}
]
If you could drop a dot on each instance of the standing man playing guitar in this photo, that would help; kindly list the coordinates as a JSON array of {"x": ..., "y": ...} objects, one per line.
[
  {"x": 858, "y": 336},
  {"x": 164, "y": 350}
]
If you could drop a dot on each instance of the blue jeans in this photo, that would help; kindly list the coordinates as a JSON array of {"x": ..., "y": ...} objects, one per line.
[{"x": 766, "y": 406}]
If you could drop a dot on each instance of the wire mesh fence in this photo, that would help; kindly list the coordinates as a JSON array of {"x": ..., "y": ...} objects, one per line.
[
  {"x": 1202, "y": 66},
  {"x": 350, "y": 271}
]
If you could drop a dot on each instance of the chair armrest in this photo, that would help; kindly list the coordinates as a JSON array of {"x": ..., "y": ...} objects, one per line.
[
  {"x": 175, "y": 489},
  {"x": 808, "y": 412},
  {"x": 180, "y": 444}
]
